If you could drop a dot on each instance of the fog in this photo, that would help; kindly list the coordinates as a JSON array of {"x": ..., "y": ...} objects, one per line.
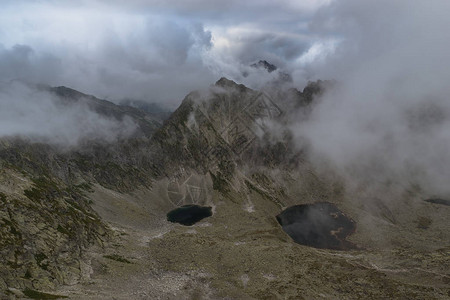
[
  {"x": 37, "y": 115},
  {"x": 387, "y": 121}
]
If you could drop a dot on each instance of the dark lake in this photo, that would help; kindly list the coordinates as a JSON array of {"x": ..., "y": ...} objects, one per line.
[
  {"x": 189, "y": 214},
  {"x": 319, "y": 225}
]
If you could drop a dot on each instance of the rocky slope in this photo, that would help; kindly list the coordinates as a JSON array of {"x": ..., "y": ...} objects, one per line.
[
  {"x": 47, "y": 221},
  {"x": 90, "y": 222}
]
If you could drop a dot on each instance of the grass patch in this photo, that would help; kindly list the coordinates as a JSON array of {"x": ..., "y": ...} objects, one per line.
[
  {"x": 424, "y": 222},
  {"x": 63, "y": 230},
  {"x": 40, "y": 295},
  {"x": 86, "y": 186},
  {"x": 40, "y": 260},
  {"x": 42, "y": 188},
  {"x": 118, "y": 258},
  {"x": 219, "y": 183}
]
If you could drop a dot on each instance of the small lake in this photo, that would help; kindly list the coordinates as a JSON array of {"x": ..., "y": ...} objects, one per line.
[
  {"x": 189, "y": 214},
  {"x": 319, "y": 225}
]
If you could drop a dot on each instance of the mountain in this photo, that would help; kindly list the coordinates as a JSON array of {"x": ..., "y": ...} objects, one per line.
[
  {"x": 90, "y": 221},
  {"x": 263, "y": 64},
  {"x": 147, "y": 122},
  {"x": 283, "y": 77}
]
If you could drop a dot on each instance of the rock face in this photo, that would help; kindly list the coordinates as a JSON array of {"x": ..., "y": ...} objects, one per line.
[
  {"x": 45, "y": 227},
  {"x": 226, "y": 126},
  {"x": 264, "y": 64},
  {"x": 90, "y": 222},
  {"x": 46, "y": 221}
]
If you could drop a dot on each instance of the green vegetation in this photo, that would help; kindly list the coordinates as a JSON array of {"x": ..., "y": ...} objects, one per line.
[
  {"x": 118, "y": 258},
  {"x": 62, "y": 230},
  {"x": 81, "y": 188},
  {"x": 423, "y": 222},
  {"x": 219, "y": 183},
  {"x": 40, "y": 258},
  {"x": 41, "y": 189},
  {"x": 40, "y": 295},
  {"x": 252, "y": 187},
  {"x": 86, "y": 186}
]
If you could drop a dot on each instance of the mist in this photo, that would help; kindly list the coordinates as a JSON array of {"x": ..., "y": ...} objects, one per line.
[
  {"x": 387, "y": 121},
  {"x": 39, "y": 116}
]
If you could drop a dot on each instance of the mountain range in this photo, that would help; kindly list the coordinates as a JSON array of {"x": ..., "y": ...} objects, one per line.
[{"x": 89, "y": 221}]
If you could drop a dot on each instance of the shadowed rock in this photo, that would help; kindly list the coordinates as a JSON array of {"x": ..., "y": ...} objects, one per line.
[
  {"x": 439, "y": 201},
  {"x": 189, "y": 214},
  {"x": 319, "y": 225},
  {"x": 263, "y": 64}
]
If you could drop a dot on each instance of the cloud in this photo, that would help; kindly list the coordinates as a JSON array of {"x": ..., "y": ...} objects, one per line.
[
  {"x": 388, "y": 119},
  {"x": 111, "y": 55},
  {"x": 219, "y": 11},
  {"x": 35, "y": 114},
  {"x": 22, "y": 61},
  {"x": 248, "y": 45},
  {"x": 156, "y": 51}
]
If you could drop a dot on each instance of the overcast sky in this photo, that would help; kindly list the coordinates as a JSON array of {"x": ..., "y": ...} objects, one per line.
[{"x": 154, "y": 50}]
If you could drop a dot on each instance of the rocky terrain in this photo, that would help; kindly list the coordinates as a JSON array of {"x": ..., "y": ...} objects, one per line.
[{"x": 90, "y": 222}]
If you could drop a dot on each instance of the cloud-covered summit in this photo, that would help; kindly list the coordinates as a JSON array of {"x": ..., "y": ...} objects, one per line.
[
  {"x": 150, "y": 50},
  {"x": 39, "y": 114}
]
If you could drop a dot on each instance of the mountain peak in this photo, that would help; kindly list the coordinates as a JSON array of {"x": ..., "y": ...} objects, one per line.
[
  {"x": 227, "y": 83},
  {"x": 66, "y": 92},
  {"x": 224, "y": 82},
  {"x": 264, "y": 64}
]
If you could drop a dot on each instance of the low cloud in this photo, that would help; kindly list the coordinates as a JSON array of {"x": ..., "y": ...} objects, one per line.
[
  {"x": 38, "y": 115},
  {"x": 22, "y": 62},
  {"x": 387, "y": 122}
]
